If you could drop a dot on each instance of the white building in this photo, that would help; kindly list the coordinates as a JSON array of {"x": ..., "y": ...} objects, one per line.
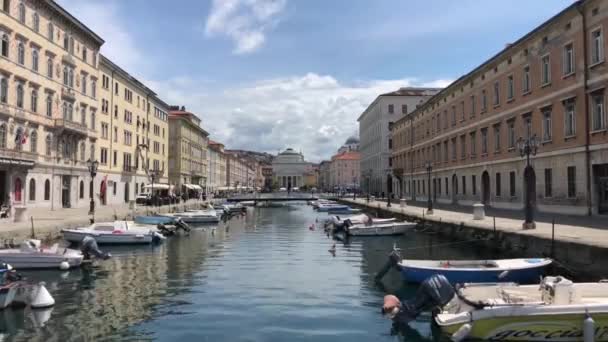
[
  {"x": 374, "y": 133},
  {"x": 289, "y": 168}
]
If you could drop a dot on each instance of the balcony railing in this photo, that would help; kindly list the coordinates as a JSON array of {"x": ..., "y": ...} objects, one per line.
[
  {"x": 70, "y": 126},
  {"x": 68, "y": 93},
  {"x": 18, "y": 158}
]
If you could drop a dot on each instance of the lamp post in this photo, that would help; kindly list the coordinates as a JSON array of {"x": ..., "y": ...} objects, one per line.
[
  {"x": 92, "y": 165},
  {"x": 528, "y": 146},
  {"x": 429, "y": 169}
]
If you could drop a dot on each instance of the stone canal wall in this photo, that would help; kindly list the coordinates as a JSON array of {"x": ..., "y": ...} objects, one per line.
[{"x": 578, "y": 250}]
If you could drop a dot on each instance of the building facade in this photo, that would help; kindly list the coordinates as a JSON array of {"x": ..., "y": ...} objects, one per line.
[
  {"x": 289, "y": 168},
  {"x": 374, "y": 133},
  {"x": 187, "y": 151},
  {"x": 324, "y": 175},
  {"x": 344, "y": 171},
  {"x": 133, "y": 136},
  {"x": 48, "y": 105},
  {"x": 549, "y": 84},
  {"x": 240, "y": 174},
  {"x": 216, "y": 168}
]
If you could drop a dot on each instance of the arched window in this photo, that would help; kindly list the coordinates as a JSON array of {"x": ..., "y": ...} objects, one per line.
[
  {"x": 65, "y": 76},
  {"x": 18, "y": 190},
  {"x": 18, "y": 139},
  {"x": 35, "y": 60},
  {"x": 82, "y": 151},
  {"x": 49, "y": 146},
  {"x": 49, "y": 67},
  {"x": 21, "y": 53},
  {"x": 32, "y": 190},
  {"x": 71, "y": 45},
  {"x": 49, "y": 106},
  {"x": 51, "y": 32},
  {"x": 47, "y": 190},
  {"x": 34, "y": 101},
  {"x": 20, "y": 95},
  {"x": 34, "y": 142},
  {"x": 3, "y": 90},
  {"x": 71, "y": 74},
  {"x": 71, "y": 112},
  {"x": 66, "y": 41},
  {"x": 22, "y": 12},
  {"x": 5, "y": 46},
  {"x": 3, "y": 136},
  {"x": 81, "y": 189},
  {"x": 6, "y": 7},
  {"x": 36, "y": 22},
  {"x": 83, "y": 116}
]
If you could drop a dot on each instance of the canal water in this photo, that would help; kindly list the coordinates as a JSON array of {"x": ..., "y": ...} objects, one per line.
[{"x": 262, "y": 277}]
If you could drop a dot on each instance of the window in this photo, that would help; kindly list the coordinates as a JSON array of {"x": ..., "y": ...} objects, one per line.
[
  {"x": 462, "y": 111},
  {"x": 35, "y": 60},
  {"x": 498, "y": 184},
  {"x": 569, "y": 118},
  {"x": 103, "y": 156},
  {"x": 528, "y": 125},
  {"x": 50, "y": 31},
  {"x": 21, "y": 53},
  {"x": 6, "y": 5},
  {"x": 511, "y": 133},
  {"x": 474, "y": 184},
  {"x": 445, "y": 151},
  {"x": 5, "y": 45},
  {"x": 83, "y": 116},
  {"x": 453, "y": 115},
  {"x": 391, "y": 109},
  {"x": 36, "y": 22},
  {"x": 453, "y": 148},
  {"x": 94, "y": 89},
  {"x": 104, "y": 106},
  {"x": 81, "y": 189},
  {"x": 127, "y": 137},
  {"x": 34, "y": 101},
  {"x": 403, "y": 107},
  {"x": 32, "y": 191},
  {"x": 473, "y": 138},
  {"x": 547, "y": 128},
  {"x": 484, "y": 101},
  {"x": 463, "y": 151},
  {"x": 34, "y": 142},
  {"x": 48, "y": 145},
  {"x": 93, "y": 123},
  {"x": 545, "y": 70},
  {"x": 568, "y": 59},
  {"x": 20, "y": 95},
  {"x": 83, "y": 84},
  {"x": 571, "y": 181},
  {"x": 115, "y": 88},
  {"x": 22, "y": 12},
  {"x": 72, "y": 45},
  {"x": 464, "y": 185},
  {"x": 71, "y": 77},
  {"x": 115, "y": 134},
  {"x": 472, "y": 105},
  {"x": 526, "y": 80},
  {"x": 497, "y": 138},
  {"x": 484, "y": 141},
  {"x": 84, "y": 54},
  {"x": 47, "y": 190},
  {"x": 512, "y": 183},
  {"x": 66, "y": 41},
  {"x": 49, "y": 68},
  {"x": 3, "y": 90},
  {"x": 597, "y": 46},
  {"x": 49, "y": 105},
  {"x": 126, "y": 163},
  {"x": 510, "y": 89},
  {"x": 496, "y": 93},
  {"x": 548, "y": 182},
  {"x": 599, "y": 120},
  {"x": 115, "y": 112},
  {"x": 115, "y": 158},
  {"x": 3, "y": 136},
  {"x": 66, "y": 76},
  {"x": 82, "y": 151},
  {"x": 446, "y": 186},
  {"x": 104, "y": 130}
]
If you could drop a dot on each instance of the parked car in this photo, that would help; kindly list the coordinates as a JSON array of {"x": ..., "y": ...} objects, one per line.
[{"x": 144, "y": 199}]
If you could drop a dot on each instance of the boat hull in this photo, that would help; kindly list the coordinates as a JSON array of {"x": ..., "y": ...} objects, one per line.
[
  {"x": 380, "y": 231},
  {"x": 521, "y": 276},
  {"x": 203, "y": 219},
  {"x": 22, "y": 261},
  {"x": 558, "y": 327},
  {"x": 109, "y": 239}
]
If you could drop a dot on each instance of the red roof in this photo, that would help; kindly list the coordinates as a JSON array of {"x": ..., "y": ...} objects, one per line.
[{"x": 352, "y": 155}]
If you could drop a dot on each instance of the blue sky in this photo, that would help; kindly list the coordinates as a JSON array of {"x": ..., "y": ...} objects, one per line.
[{"x": 271, "y": 74}]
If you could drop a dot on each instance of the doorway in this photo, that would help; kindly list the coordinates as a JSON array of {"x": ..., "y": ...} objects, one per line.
[
  {"x": 530, "y": 186},
  {"x": 127, "y": 192},
  {"x": 485, "y": 188},
  {"x": 65, "y": 191},
  {"x": 601, "y": 175},
  {"x": 389, "y": 185},
  {"x": 454, "y": 187}
]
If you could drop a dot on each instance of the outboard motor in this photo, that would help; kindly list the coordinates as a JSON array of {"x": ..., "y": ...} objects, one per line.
[
  {"x": 183, "y": 225},
  {"x": 433, "y": 293},
  {"x": 88, "y": 247}
]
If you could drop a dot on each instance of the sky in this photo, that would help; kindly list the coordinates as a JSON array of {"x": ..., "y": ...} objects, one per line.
[{"x": 265, "y": 75}]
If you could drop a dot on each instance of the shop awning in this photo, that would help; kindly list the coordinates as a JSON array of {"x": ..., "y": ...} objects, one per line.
[
  {"x": 193, "y": 187},
  {"x": 157, "y": 186}
]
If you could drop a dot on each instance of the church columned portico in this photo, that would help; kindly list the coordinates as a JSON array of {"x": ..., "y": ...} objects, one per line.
[{"x": 288, "y": 169}]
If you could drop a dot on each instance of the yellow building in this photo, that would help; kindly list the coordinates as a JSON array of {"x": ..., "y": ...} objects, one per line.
[
  {"x": 133, "y": 136},
  {"x": 187, "y": 153},
  {"x": 48, "y": 105}
]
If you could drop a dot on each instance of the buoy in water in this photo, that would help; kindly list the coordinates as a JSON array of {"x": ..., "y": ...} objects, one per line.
[
  {"x": 64, "y": 266},
  {"x": 41, "y": 298}
]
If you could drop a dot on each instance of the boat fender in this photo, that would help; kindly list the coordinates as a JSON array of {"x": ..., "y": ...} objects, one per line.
[
  {"x": 462, "y": 332},
  {"x": 391, "y": 306},
  {"x": 41, "y": 298},
  {"x": 64, "y": 265},
  {"x": 588, "y": 328}
]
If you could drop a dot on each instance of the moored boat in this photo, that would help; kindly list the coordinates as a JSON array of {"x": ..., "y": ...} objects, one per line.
[
  {"x": 331, "y": 206},
  {"x": 338, "y": 222},
  {"x": 198, "y": 216},
  {"x": 346, "y": 211},
  {"x": 116, "y": 232},
  {"x": 525, "y": 270},
  {"x": 381, "y": 229},
  {"x": 31, "y": 255}
]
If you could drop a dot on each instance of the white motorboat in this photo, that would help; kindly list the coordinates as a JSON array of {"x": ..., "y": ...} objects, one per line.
[
  {"x": 339, "y": 222},
  {"x": 234, "y": 208},
  {"x": 196, "y": 216},
  {"x": 116, "y": 232},
  {"x": 30, "y": 254},
  {"x": 248, "y": 203},
  {"x": 388, "y": 228}
]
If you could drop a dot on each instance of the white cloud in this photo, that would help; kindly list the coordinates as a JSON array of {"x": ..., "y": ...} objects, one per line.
[
  {"x": 312, "y": 112},
  {"x": 245, "y": 22}
]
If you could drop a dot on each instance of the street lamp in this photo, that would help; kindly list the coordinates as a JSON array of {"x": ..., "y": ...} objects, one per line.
[
  {"x": 429, "y": 169},
  {"x": 528, "y": 146},
  {"x": 92, "y": 165}
]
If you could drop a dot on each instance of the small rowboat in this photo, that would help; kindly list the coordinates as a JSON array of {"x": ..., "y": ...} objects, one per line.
[
  {"x": 389, "y": 228},
  {"x": 475, "y": 271}
]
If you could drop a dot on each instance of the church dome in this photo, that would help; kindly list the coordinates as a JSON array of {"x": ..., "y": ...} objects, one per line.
[
  {"x": 352, "y": 140},
  {"x": 289, "y": 151}
]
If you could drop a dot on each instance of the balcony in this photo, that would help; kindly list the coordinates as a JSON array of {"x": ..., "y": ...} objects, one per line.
[
  {"x": 68, "y": 93},
  {"x": 15, "y": 158},
  {"x": 66, "y": 126}
]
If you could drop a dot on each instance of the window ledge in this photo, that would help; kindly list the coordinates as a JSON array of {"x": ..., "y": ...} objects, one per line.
[
  {"x": 548, "y": 141},
  {"x": 569, "y": 75},
  {"x": 473, "y": 156},
  {"x": 511, "y": 149},
  {"x": 483, "y": 155},
  {"x": 511, "y": 100},
  {"x": 496, "y": 105},
  {"x": 603, "y": 130},
  {"x": 462, "y": 120},
  {"x": 497, "y": 152},
  {"x": 593, "y": 65},
  {"x": 525, "y": 93},
  {"x": 568, "y": 137},
  {"x": 483, "y": 111},
  {"x": 548, "y": 84}
]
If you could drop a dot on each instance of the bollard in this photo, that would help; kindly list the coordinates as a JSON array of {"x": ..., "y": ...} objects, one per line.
[
  {"x": 33, "y": 231},
  {"x": 478, "y": 211}
]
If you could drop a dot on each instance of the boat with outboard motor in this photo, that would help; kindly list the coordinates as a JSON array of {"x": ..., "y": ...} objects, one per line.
[
  {"x": 116, "y": 232},
  {"x": 196, "y": 216},
  {"x": 556, "y": 310},
  {"x": 32, "y": 255},
  {"x": 380, "y": 229},
  {"x": 345, "y": 211},
  {"x": 325, "y": 207},
  {"x": 340, "y": 222}
]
